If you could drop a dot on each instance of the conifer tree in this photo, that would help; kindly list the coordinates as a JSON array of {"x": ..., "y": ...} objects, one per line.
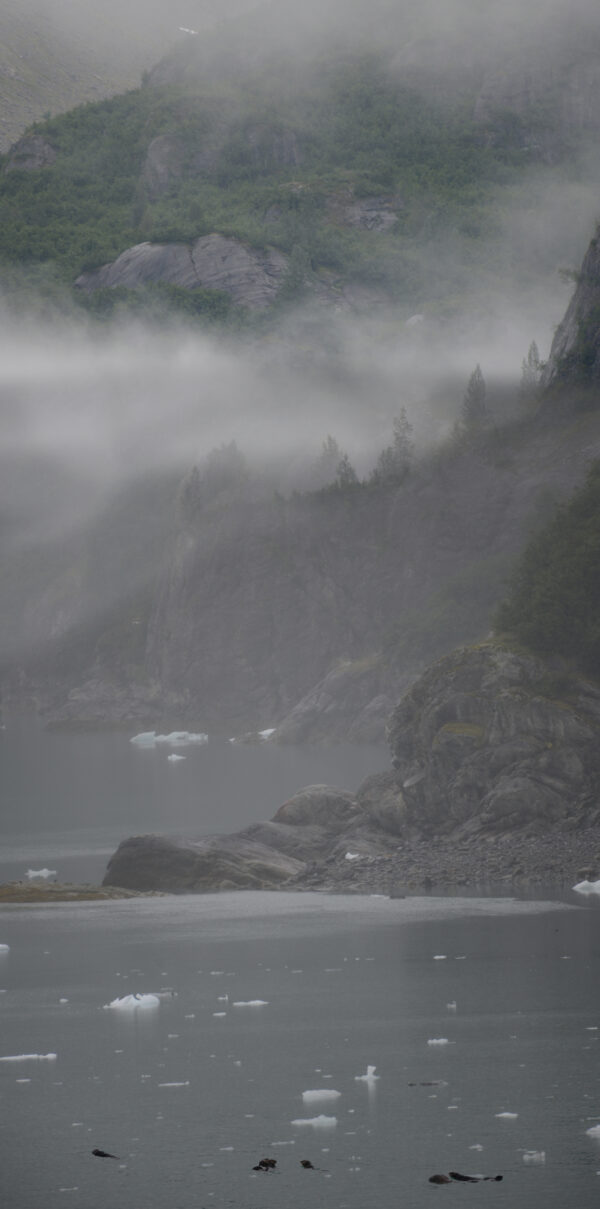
[{"x": 474, "y": 413}]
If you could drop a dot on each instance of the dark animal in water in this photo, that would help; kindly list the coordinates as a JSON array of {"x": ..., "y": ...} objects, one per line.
[
  {"x": 440, "y": 1179},
  {"x": 473, "y": 1179},
  {"x": 306, "y": 1163},
  {"x": 265, "y": 1165},
  {"x": 103, "y": 1154}
]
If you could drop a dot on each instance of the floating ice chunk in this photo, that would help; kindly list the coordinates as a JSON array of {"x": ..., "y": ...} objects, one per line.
[
  {"x": 31, "y": 873},
  {"x": 476, "y": 1146},
  {"x": 185, "y": 1083},
  {"x": 324, "y": 1093},
  {"x": 451, "y": 1006},
  {"x": 219, "y": 1014},
  {"x": 353, "y": 856},
  {"x": 22, "y": 1080},
  {"x": 440, "y": 957},
  {"x": 29, "y": 1058},
  {"x": 534, "y": 1156},
  {"x": 134, "y": 1003},
  {"x": 174, "y": 759},
  {"x": 370, "y": 1076},
  {"x": 507, "y": 1116},
  {"x": 320, "y": 1122},
  {"x": 268, "y": 733},
  {"x": 594, "y": 1132},
  {"x": 438, "y": 1041},
  {"x": 63, "y": 1001},
  {"x": 292, "y": 1143},
  {"x": 414, "y": 320},
  {"x": 4, "y": 948},
  {"x": 250, "y": 1003},
  {"x": 587, "y": 887},
  {"x": 177, "y": 738}
]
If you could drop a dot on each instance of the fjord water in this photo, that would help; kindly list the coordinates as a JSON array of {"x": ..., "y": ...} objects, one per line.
[
  {"x": 68, "y": 798},
  {"x": 192, "y": 1093}
]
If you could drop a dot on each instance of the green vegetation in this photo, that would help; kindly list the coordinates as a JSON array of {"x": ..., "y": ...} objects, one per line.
[
  {"x": 553, "y": 606},
  {"x": 273, "y": 165}
]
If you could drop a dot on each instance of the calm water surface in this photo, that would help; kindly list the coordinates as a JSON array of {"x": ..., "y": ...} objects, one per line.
[{"x": 190, "y": 1095}]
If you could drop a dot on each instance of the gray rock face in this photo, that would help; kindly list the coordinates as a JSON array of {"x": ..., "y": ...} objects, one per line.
[
  {"x": 492, "y": 741},
  {"x": 252, "y": 278},
  {"x": 163, "y": 164},
  {"x": 366, "y": 213},
  {"x": 316, "y": 824},
  {"x": 349, "y": 703},
  {"x": 29, "y": 154},
  {"x": 575, "y": 352}
]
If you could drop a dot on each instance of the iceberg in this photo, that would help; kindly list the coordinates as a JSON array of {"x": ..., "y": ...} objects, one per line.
[
  {"x": 507, "y": 1116},
  {"x": 438, "y": 1041},
  {"x": 134, "y": 1003},
  {"x": 40, "y": 873},
  {"x": 370, "y": 1076},
  {"x": 594, "y": 1132},
  {"x": 587, "y": 887},
  {"x": 326, "y": 1093},
  {"x": 251, "y": 1003},
  {"x": 177, "y": 738},
  {"x": 268, "y": 733},
  {"x": 319, "y": 1122}
]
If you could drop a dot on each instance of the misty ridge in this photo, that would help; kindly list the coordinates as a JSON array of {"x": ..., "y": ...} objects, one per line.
[{"x": 425, "y": 179}]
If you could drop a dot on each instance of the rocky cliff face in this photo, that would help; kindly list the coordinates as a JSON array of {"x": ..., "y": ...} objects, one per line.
[
  {"x": 575, "y": 354},
  {"x": 489, "y": 740}
]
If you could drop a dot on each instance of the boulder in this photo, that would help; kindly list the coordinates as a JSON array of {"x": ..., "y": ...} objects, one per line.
[
  {"x": 29, "y": 154},
  {"x": 250, "y": 276}
]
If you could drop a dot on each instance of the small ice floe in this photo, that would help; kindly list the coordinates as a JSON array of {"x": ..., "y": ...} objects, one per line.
[
  {"x": 183, "y": 30},
  {"x": 586, "y": 887},
  {"x": 22, "y": 1080},
  {"x": 370, "y": 1076},
  {"x": 476, "y": 1146},
  {"x": 219, "y": 1015},
  {"x": 323, "y": 1093},
  {"x": 438, "y": 1041},
  {"x": 534, "y": 1156},
  {"x": 440, "y": 956},
  {"x": 63, "y": 1001},
  {"x": 506, "y": 1116},
  {"x": 250, "y": 1003},
  {"x": 451, "y": 1006},
  {"x": 185, "y": 1083},
  {"x": 353, "y": 856},
  {"x": 594, "y": 1132},
  {"x": 267, "y": 734},
  {"x": 134, "y": 1003},
  {"x": 177, "y": 738},
  {"x": 174, "y": 758},
  {"x": 414, "y": 321},
  {"x": 41, "y": 873},
  {"x": 29, "y": 1058},
  {"x": 4, "y": 948},
  {"x": 320, "y": 1122}
]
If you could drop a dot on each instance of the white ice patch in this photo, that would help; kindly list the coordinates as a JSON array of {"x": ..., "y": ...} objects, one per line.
[
  {"x": 594, "y": 1132},
  {"x": 476, "y": 1146},
  {"x": 29, "y": 1058},
  {"x": 438, "y": 1041},
  {"x": 177, "y": 738},
  {"x": 186, "y": 1083},
  {"x": 370, "y": 1076},
  {"x": 451, "y": 1006},
  {"x": 134, "y": 1003},
  {"x": 507, "y": 1116},
  {"x": 268, "y": 733},
  {"x": 440, "y": 957},
  {"x": 320, "y": 1122},
  {"x": 353, "y": 856},
  {"x": 534, "y": 1156},
  {"x": 4, "y": 948},
  {"x": 251, "y": 1003},
  {"x": 44, "y": 873},
  {"x": 174, "y": 759},
  {"x": 324, "y": 1093},
  {"x": 587, "y": 887}
]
